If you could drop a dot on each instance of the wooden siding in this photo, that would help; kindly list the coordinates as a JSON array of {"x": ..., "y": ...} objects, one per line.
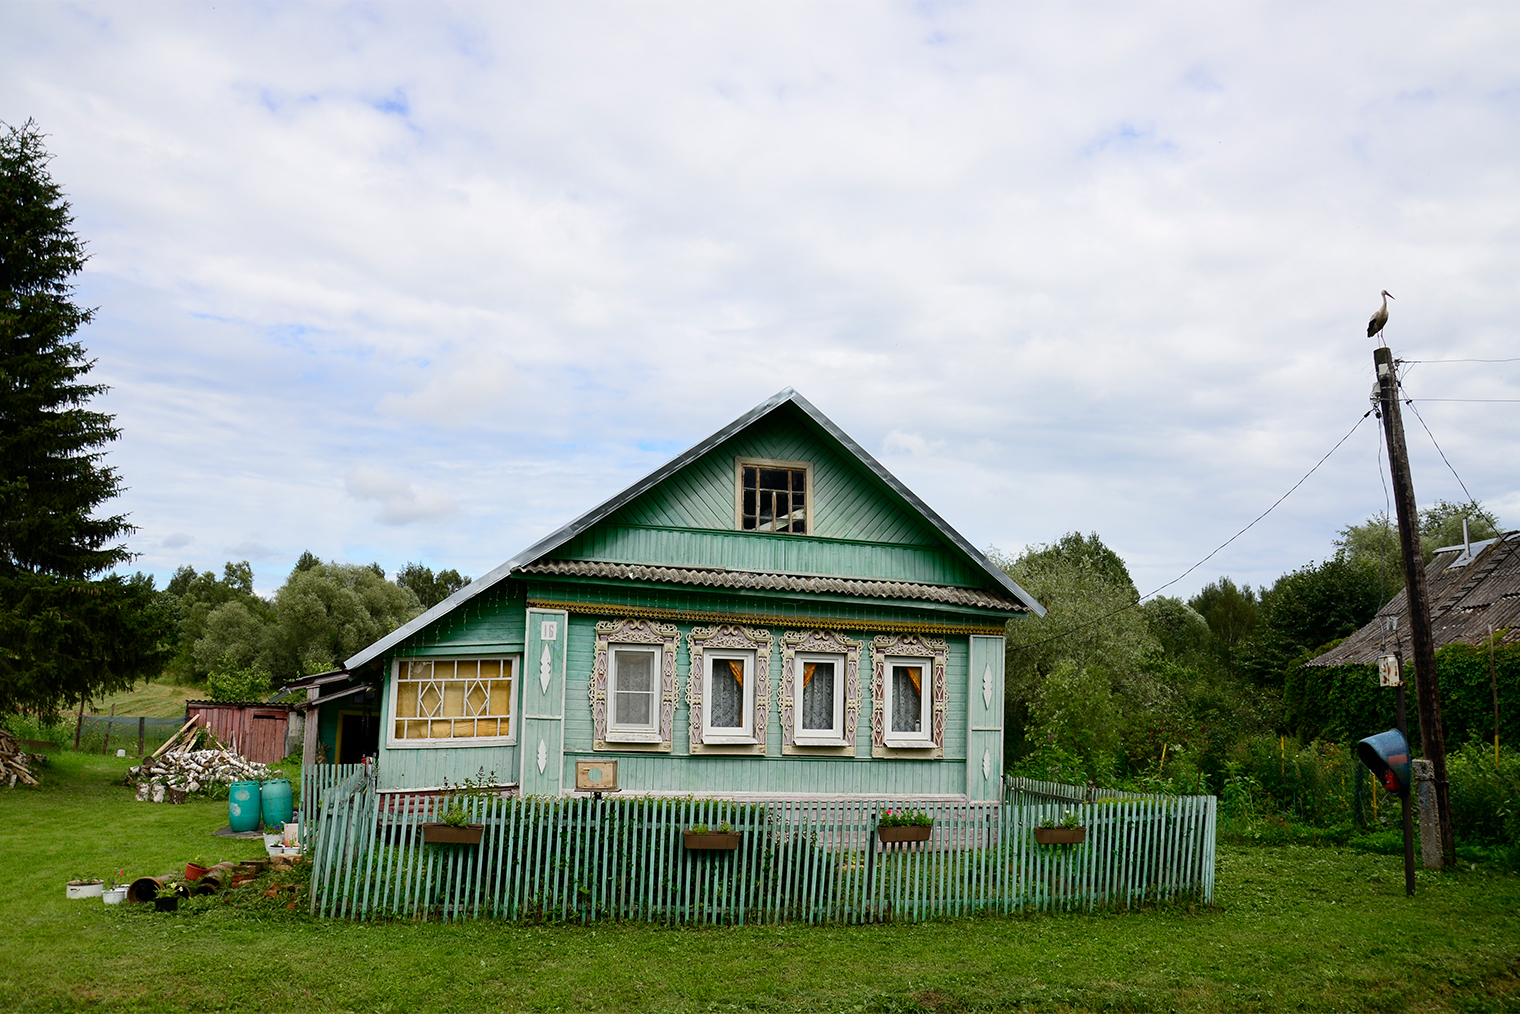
[
  {"x": 257, "y": 732},
  {"x": 772, "y": 554},
  {"x": 848, "y": 502},
  {"x": 492, "y": 622}
]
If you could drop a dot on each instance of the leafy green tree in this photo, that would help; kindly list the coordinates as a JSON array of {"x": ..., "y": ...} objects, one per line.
[
  {"x": 430, "y": 588},
  {"x": 1183, "y": 633},
  {"x": 1231, "y": 612},
  {"x": 328, "y": 612},
  {"x": 1304, "y": 612},
  {"x": 229, "y": 682},
  {"x": 63, "y": 635},
  {"x": 196, "y": 598}
]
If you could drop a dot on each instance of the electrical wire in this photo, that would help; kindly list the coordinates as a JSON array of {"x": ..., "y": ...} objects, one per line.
[
  {"x": 1211, "y": 555},
  {"x": 1459, "y": 360},
  {"x": 1416, "y": 411},
  {"x": 1490, "y": 401}
]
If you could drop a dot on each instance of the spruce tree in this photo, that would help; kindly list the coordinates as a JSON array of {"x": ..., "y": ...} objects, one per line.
[{"x": 64, "y": 633}]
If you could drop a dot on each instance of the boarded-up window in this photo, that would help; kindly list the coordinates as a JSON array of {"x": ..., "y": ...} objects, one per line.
[{"x": 454, "y": 699}]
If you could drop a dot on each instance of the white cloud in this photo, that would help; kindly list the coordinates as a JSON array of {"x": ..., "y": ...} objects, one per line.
[
  {"x": 1093, "y": 268},
  {"x": 401, "y": 502}
]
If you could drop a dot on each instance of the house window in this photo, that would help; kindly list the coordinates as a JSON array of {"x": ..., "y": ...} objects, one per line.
[
  {"x": 909, "y": 696},
  {"x": 820, "y": 693},
  {"x": 908, "y": 692},
  {"x": 728, "y": 689},
  {"x": 730, "y": 695},
  {"x": 446, "y": 700},
  {"x": 819, "y": 705},
  {"x": 773, "y": 496},
  {"x": 632, "y": 690},
  {"x": 633, "y": 693}
]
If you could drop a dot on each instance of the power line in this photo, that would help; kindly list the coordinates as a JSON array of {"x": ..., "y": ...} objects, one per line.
[
  {"x": 1206, "y": 559},
  {"x": 1492, "y": 401},
  {"x": 1416, "y": 411},
  {"x": 1459, "y": 360}
]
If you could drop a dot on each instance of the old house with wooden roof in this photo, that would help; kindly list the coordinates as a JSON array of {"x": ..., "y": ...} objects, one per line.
[
  {"x": 1474, "y": 588},
  {"x": 772, "y": 612}
]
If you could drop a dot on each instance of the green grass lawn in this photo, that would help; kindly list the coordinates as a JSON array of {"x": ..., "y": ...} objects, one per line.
[{"x": 1296, "y": 928}]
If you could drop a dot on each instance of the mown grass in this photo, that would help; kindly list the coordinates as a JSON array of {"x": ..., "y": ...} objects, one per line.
[{"x": 1296, "y": 927}]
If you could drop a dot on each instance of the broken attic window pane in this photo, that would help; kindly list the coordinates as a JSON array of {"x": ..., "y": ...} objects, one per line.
[{"x": 773, "y": 500}]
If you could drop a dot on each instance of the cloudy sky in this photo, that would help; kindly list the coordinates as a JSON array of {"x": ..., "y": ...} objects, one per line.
[{"x": 424, "y": 282}]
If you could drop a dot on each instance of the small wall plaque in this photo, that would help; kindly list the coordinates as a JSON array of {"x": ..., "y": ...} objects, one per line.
[{"x": 596, "y": 776}]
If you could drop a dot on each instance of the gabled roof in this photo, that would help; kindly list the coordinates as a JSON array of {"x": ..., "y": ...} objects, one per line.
[
  {"x": 605, "y": 510},
  {"x": 1469, "y": 593}
]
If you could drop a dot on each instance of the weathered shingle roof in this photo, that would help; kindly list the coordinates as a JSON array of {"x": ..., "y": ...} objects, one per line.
[
  {"x": 714, "y": 577},
  {"x": 1467, "y": 597}
]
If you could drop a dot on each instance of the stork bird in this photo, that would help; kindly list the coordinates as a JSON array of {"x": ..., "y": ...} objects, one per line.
[{"x": 1380, "y": 317}]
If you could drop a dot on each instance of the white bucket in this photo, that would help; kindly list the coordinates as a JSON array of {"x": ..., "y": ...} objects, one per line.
[
  {"x": 84, "y": 890},
  {"x": 114, "y": 895}
]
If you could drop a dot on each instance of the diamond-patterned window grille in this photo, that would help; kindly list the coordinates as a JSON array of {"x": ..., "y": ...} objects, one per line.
[{"x": 454, "y": 698}]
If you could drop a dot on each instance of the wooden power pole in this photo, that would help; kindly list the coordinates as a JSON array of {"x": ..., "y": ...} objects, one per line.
[{"x": 1427, "y": 689}]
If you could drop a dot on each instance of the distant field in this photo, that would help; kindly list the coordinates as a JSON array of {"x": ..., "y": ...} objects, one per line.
[
  {"x": 154, "y": 700},
  {"x": 1296, "y": 928}
]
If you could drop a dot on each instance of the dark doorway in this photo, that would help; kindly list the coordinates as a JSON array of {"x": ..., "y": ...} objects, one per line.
[{"x": 358, "y": 737}]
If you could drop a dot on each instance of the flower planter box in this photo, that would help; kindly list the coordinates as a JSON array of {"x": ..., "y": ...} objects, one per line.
[
  {"x": 76, "y": 889},
  {"x": 912, "y": 832},
  {"x": 721, "y": 841},
  {"x": 1060, "y": 835},
  {"x": 445, "y": 834}
]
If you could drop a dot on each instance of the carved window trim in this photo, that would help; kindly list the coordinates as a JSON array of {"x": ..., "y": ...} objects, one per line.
[
  {"x": 885, "y": 646},
  {"x": 729, "y": 636},
  {"x": 821, "y": 642},
  {"x": 634, "y": 632}
]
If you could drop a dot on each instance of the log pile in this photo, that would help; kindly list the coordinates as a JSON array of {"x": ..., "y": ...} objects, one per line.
[
  {"x": 13, "y": 762},
  {"x": 191, "y": 761}
]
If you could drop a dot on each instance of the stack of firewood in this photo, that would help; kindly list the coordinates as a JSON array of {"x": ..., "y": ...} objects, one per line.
[
  {"x": 13, "y": 762},
  {"x": 191, "y": 761}
]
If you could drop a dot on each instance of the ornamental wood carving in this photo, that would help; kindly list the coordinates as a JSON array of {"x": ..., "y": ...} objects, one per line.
[
  {"x": 743, "y": 639},
  {"x": 884, "y": 646},
  {"x": 634, "y": 631},
  {"x": 827, "y": 642}
]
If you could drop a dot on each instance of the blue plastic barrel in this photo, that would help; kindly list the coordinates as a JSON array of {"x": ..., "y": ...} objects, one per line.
[
  {"x": 276, "y": 801},
  {"x": 243, "y": 806}
]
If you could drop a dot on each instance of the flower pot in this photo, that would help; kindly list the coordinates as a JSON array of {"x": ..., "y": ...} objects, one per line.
[
  {"x": 195, "y": 871},
  {"x": 1060, "y": 835},
  {"x": 722, "y": 841},
  {"x": 168, "y": 904},
  {"x": 84, "y": 889},
  {"x": 273, "y": 838},
  {"x": 446, "y": 834},
  {"x": 114, "y": 895},
  {"x": 911, "y": 832}
]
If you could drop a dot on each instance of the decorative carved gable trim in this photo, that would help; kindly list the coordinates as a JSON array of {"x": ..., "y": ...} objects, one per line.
[
  {"x": 634, "y": 631},
  {"x": 744, "y": 639},
  {"x": 884, "y": 646},
  {"x": 823, "y": 642}
]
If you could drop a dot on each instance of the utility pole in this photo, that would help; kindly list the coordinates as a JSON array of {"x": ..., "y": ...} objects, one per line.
[{"x": 1427, "y": 690}]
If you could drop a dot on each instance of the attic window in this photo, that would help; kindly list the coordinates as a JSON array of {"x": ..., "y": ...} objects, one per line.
[{"x": 774, "y": 495}]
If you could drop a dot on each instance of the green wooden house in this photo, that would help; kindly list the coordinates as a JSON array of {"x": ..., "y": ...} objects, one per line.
[{"x": 770, "y": 614}]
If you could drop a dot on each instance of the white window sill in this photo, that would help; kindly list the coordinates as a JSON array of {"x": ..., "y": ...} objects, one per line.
[
  {"x": 632, "y": 736},
  {"x": 716, "y": 739},
  {"x": 461, "y": 742},
  {"x": 909, "y": 744},
  {"x": 817, "y": 741}
]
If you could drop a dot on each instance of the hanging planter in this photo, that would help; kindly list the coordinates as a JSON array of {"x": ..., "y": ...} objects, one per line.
[
  {"x": 1060, "y": 835},
  {"x": 716, "y": 841},
  {"x": 908, "y": 832},
  {"x": 449, "y": 834}
]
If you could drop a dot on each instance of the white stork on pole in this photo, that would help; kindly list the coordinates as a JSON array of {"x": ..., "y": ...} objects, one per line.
[{"x": 1380, "y": 316}]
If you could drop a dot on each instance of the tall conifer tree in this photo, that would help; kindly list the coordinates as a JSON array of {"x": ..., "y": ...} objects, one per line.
[{"x": 64, "y": 635}]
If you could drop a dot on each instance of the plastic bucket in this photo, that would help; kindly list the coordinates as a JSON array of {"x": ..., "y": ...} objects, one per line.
[
  {"x": 243, "y": 806},
  {"x": 276, "y": 801}
]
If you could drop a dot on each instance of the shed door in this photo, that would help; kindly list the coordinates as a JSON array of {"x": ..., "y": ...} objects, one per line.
[{"x": 358, "y": 737}]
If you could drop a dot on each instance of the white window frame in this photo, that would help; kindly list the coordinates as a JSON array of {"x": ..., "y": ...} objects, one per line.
[
  {"x": 627, "y": 732},
  {"x": 724, "y": 735},
  {"x": 392, "y": 742},
  {"x": 924, "y": 738},
  {"x": 633, "y": 633},
  {"x": 834, "y": 736}
]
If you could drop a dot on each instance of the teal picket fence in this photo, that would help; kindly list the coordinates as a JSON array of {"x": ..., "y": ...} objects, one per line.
[
  {"x": 316, "y": 781},
  {"x": 583, "y": 859}
]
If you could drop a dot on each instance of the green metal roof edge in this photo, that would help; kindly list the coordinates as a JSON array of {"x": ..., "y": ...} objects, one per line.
[{"x": 609, "y": 507}]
